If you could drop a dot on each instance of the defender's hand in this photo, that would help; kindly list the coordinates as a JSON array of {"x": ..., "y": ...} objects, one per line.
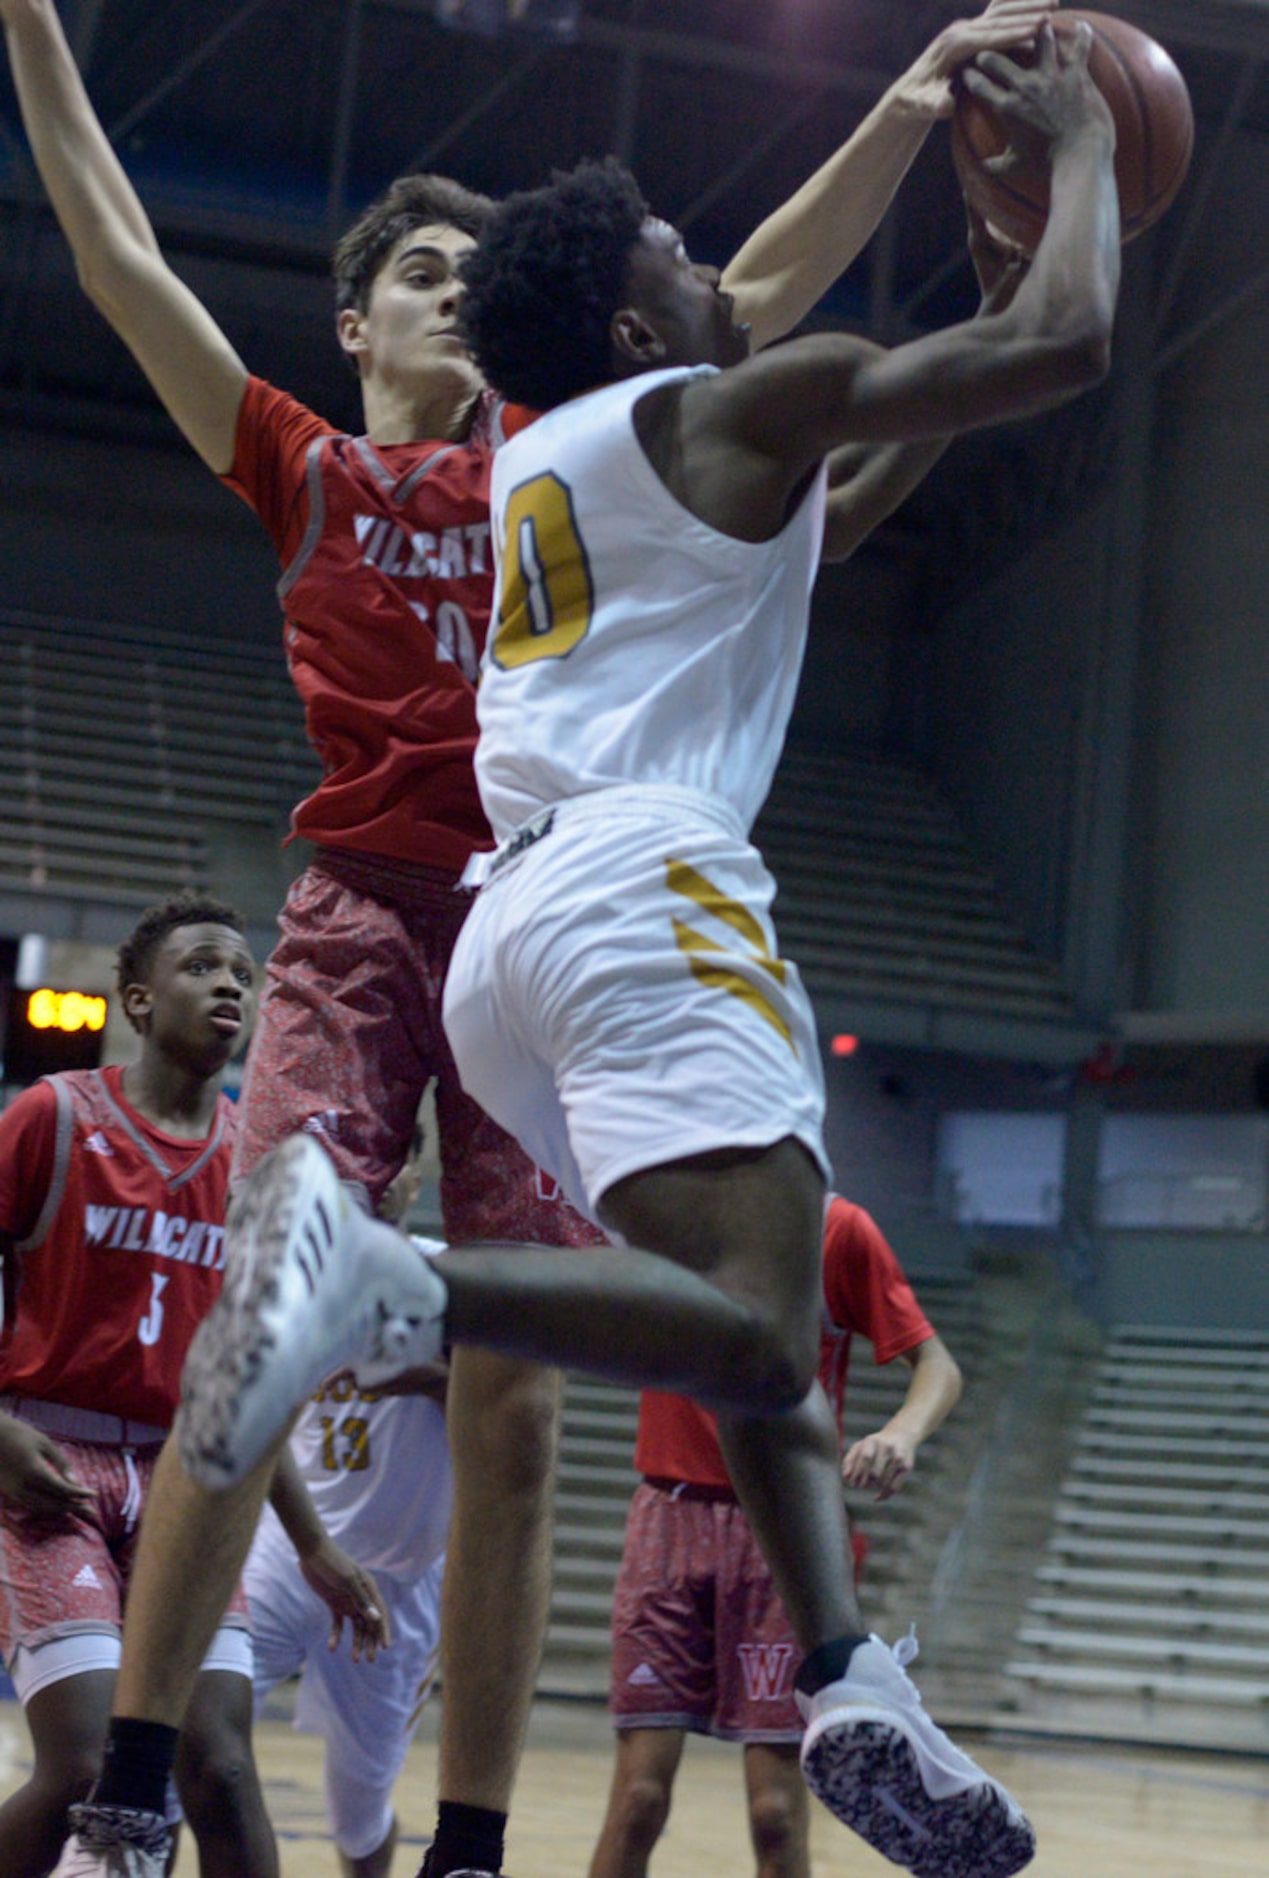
[{"x": 926, "y": 87}]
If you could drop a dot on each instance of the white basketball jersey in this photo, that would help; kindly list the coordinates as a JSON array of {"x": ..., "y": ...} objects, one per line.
[
  {"x": 631, "y": 643},
  {"x": 378, "y": 1470}
]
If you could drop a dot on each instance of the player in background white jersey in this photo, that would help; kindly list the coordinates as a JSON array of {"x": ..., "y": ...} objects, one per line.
[{"x": 377, "y": 1468}]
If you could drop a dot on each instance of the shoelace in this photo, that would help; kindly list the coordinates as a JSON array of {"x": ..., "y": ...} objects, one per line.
[{"x": 907, "y": 1649}]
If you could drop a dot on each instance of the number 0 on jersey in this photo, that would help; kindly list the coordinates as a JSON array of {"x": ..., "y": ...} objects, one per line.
[{"x": 547, "y": 596}]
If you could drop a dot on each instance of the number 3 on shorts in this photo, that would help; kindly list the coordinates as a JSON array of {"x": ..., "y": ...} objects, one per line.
[{"x": 547, "y": 597}]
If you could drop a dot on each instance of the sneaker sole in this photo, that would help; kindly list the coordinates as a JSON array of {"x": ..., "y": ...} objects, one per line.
[
  {"x": 867, "y": 1774},
  {"x": 233, "y": 1340}
]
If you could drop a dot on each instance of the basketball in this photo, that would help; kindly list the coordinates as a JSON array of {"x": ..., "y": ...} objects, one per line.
[{"x": 1154, "y": 127}]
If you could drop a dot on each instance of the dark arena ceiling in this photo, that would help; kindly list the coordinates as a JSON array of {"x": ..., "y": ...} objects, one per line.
[{"x": 256, "y": 128}]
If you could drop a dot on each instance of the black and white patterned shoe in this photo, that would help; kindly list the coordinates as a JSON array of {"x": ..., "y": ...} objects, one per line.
[
  {"x": 468, "y": 1871},
  {"x": 878, "y": 1762},
  {"x": 114, "y": 1842},
  {"x": 312, "y": 1285}
]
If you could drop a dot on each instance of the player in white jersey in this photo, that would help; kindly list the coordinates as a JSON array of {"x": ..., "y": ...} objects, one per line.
[
  {"x": 641, "y": 673},
  {"x": 377, "y": 1469},
  {"x": 616, "y": 992},
  {"x": 380, "y": 1485}
]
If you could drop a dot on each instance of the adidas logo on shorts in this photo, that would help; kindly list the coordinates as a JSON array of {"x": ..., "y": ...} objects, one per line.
[
  {"x": 645, "y": 1677},
  {"x": 87, "y": 1576},
  {"x": 97, "y": 1144}
]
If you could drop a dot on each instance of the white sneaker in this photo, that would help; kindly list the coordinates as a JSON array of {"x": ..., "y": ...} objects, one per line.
[
  {"x": 312, "y": 1286},
  {"x": 114, "y": 1842},
  {"x": 877, "y": 1761}
]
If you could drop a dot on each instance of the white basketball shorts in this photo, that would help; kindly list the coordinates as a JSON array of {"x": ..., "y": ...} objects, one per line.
[
  {"x": 616, "y": 1000},
  {"x": 365, "y": 1712}
]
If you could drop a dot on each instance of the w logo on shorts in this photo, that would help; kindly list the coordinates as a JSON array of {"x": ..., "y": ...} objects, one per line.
[{"x": 766, "y": 1669}]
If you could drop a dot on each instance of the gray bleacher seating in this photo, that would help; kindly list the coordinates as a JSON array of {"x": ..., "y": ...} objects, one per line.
[
  {"x": 122, "y": 749},
  {"x": 1150, "y": 1612}
]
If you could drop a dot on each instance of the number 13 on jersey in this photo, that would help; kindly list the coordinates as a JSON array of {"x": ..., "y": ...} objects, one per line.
[{"x": 547, "y": 596}]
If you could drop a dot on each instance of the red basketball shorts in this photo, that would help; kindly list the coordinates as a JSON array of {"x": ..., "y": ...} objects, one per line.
[
  {"x": 348, "y": 1036},
  {"x": 60, "y": 1577},
  {"x": 700, "y": 1638}
]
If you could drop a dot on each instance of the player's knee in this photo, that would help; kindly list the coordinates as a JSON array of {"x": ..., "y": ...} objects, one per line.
[
  {"x": 509, "y": 1431},
  {"x": 59, "y": 1781},
  {"x": 779, "y": 1365},
  {"x": 642, "y": 1807},
  {"x": 215, "y": 1772},
  {"x": 777, "y": 1826},
  {"x": 359, "y": 1814}
]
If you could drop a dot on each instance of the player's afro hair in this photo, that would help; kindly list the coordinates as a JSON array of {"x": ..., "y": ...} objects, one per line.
[
  {"x": 410, "y": 202},
  {"x": 188, "y": 908},
  {"x": 545, "y": 280}
]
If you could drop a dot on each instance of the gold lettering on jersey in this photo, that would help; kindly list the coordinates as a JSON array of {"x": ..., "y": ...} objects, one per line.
[
  {"x": 353, "y": 1457},
  {"x": 682, "y": 878},
  {"x": 548, "y": 599}
]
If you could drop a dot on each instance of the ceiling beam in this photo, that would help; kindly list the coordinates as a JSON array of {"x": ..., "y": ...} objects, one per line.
[
  {"x": 698, "y": 54},
  {"x": 186, "y": 69},
  {"x": 345, "y": 116},
  {"x": 81, "y": 31},
  {"x": 1222, "y": 25},
  {"x": 478, "y": 108}
]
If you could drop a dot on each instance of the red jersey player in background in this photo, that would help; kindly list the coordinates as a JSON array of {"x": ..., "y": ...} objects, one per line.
[
  {"x": 701, "y": 1642},
  {"x": 387, "y": 589},
  {"x": 112, "y": 1203}
]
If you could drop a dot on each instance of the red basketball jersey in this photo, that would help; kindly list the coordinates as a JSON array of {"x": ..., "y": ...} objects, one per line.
[
  {"x": 117, "y": 1250},
  {"x": 387, "y": 594},
  {"x": 865, "y": 1291}
]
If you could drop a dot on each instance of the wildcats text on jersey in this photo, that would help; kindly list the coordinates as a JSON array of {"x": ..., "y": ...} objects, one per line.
[
  {"x": 146, "y": 1229},
  {"x": 416, "y": 554}
]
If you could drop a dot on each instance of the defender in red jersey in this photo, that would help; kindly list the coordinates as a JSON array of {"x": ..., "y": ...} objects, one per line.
[
  {"x": 112, "y": 1199},
  {"x": 701, "y": 1641},
  {"x": 386, "y": 593}
]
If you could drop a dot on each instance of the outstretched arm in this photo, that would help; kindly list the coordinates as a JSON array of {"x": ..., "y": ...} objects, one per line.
[
  {"x": 791, "y": 261},
  {"x": 881, "y": 1462},
  {"x": 867, "y": 482},
  {"x": 737, "y": 448},
  {"x": 189, "y": 361}
]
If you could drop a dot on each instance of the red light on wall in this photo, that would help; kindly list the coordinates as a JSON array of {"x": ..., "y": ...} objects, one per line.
[{"x": 843, "y": 1045}]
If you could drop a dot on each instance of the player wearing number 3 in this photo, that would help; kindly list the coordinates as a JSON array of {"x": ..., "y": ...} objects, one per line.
[{"x": 112, "y": 1202}]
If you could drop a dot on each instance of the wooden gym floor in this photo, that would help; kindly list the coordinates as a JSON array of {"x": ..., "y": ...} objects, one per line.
[{"x": 1100, "y": 1811}]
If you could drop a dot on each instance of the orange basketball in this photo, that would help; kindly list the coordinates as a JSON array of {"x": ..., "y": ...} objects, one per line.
[{"x": 1154, "y": 127}]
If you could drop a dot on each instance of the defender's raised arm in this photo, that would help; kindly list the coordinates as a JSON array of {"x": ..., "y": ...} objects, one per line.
[
  {"x": 793, "y": 258},
  {"x": 781, "y": 414},
  {"x": 178, "y": 345}
]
